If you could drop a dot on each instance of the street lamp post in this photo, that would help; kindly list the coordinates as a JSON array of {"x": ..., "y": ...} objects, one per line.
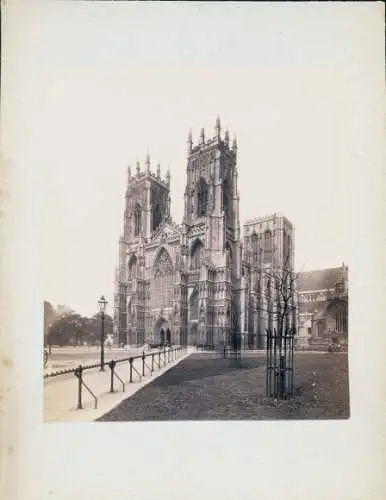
[{"x": 102, "y": 302}]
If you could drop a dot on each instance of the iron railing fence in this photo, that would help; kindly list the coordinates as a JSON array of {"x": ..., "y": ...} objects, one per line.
[
  {"x": 280, "y": 364},
  {"x": 158, "y": 359}
]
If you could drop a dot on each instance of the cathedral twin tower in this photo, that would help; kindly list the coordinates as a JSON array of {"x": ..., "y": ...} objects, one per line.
[{"x": 189, "y": 283}]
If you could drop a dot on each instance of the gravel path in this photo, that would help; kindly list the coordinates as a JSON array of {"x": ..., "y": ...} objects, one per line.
[{"x": 206, "y": 387}]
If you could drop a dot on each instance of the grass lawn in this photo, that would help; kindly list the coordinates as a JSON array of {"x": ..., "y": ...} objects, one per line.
[{"x": 207, "y": 387}]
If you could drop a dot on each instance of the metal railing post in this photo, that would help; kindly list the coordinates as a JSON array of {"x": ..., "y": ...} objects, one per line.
[
  {"x": 131, "y": 369},
  {"x": 78, "y": 373},
  {"x": 152, "y": 362},
  {"x": 112, "y": 364},
  {"x": 159, "y": 360},
  {"x": 143, "y": 364}
]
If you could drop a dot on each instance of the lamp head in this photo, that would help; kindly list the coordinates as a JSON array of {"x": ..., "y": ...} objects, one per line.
[{"x": 102, "y": 302}]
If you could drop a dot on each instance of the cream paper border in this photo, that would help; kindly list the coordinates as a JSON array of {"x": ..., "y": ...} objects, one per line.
[{"x": 313, "y": 460}]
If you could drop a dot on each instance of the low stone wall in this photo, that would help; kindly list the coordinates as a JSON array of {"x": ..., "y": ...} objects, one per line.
[{"x": 321, "y": 344}]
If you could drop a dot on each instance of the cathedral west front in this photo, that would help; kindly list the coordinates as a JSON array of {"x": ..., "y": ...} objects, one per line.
[{"x": 196, "y": 282}]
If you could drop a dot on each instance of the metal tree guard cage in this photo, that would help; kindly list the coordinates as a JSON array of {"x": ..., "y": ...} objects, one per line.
[{"x": 280, "y": 364}]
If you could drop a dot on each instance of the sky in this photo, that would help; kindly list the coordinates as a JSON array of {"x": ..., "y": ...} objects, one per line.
[{"x": 97, "y": 85}]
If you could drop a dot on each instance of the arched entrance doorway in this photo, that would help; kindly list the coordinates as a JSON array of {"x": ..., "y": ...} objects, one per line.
[
  {"x": 320, "y": 327},
  {"x": 162, "y": 333},
  {"x": 338, "y": 316}
]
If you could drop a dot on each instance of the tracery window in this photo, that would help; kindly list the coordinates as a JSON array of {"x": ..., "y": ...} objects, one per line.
[
  {"x": 156, "y": 216},
  {"x": 286, "y": 247},
  {"x": 339, "y": 312},
  {"x": 255, "y": 247},
  {"x": 137, "y": 220},
  {"x": 339, "y": 287},
  {"x": 267, "y": 246},
  {"x": 202, "y": 198},
  {"x": 132, "y": 267},
  {"x": 162, "y": 282},
  {"x": 197, "y": 255}
]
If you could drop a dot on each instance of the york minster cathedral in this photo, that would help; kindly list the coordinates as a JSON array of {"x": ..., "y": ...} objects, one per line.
[{"x": 196, "y": 282}]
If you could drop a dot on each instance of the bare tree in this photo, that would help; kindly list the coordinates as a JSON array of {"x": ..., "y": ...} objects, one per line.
[{"x": 280, "y": 292}]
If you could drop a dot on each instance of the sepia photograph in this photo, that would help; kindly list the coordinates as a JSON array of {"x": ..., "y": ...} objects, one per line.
[
  {"x": 209, "y": 315},
  {"x": 192, "y": 239},
  {"x": 210, "y": 274}
]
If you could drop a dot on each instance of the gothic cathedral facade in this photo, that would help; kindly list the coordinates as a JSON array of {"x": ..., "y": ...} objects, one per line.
[{"x": 195, "y": 283}]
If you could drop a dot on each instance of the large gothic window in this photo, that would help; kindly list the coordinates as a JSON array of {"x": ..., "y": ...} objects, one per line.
[
  {"x": 197, "y": 255},
  {"x": 156, "y": 216},
  {"x": 286, "y": 247},
  {"x": 225, "y": 199},
  {"x": 162, "y": 281},
  {"x": 254, "y": 247},
  {"x": 267, "y": 247},
  {"x": 339, "y": 311},
  {"x": 228, "y": 248},
  {"x": 194, "y": 306},
  {"x": 137, "y": 220},
  {"x": 202, "y": 197},
  {"x": 132, "y": 267}
]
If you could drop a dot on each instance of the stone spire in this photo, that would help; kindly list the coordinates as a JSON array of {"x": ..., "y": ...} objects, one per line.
[
  {"x": 128, "y": 173},
  {"x": 218, "y": 127},
  {"x": 190, "y": 142},
  {"x": 226, "y": 138},
  {"x": 138, "y": 169},
  {"x": 234, "y": 143},
  {"x": 158, "y": 170},
  {"x": 202, "y": 136},
  {"x": 168, "y": 176},
  {"x": 147, "y": 163}
]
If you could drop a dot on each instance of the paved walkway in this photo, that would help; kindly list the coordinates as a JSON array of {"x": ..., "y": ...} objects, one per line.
[{"x": 61, "y": 392}]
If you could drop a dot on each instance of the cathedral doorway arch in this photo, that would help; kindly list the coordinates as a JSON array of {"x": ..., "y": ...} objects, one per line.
[
  {"x": 162, "y": 333},
  {"x": 337, "y": 311}
]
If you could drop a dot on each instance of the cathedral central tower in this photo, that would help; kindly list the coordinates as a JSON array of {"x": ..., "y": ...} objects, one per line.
[
  {"x": 211, "y": 193},
  {"x": 211, "y": 233}
]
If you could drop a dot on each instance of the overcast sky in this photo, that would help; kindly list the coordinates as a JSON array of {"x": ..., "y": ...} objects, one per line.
[{"x": 101, "y": 84}]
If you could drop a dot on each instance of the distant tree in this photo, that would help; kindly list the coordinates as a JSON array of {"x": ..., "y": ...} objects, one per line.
[
  {"x": 63, "y": 310},
  {"x": 63, "y": 326},
  {"x": 93, "y": 328},
  {"x": 69, "y": 329},
  {"x": 49, "y": 318}
]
